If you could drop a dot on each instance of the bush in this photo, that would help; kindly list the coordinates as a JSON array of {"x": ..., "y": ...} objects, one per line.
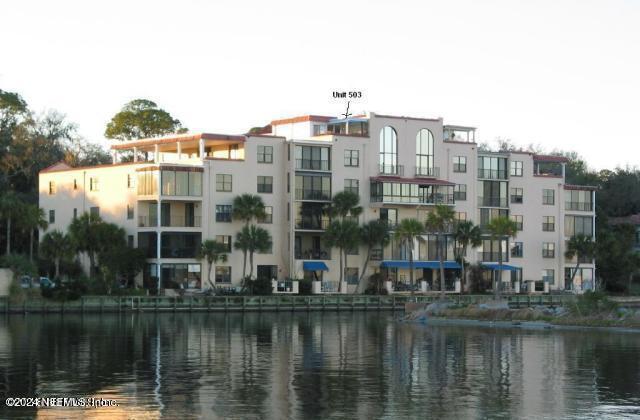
[
  {"x": 304, "y": 287},
  {"x": 71, "y": 290},
  {"x": 592, "y": 303},
  {"x": 19, "y": 264},
  {"x": 260, "y": 286}
]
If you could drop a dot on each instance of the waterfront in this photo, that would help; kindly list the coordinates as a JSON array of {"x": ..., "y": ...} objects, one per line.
[{"x": 315, "y": 365}]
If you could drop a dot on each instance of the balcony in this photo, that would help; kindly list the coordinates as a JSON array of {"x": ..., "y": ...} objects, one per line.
[
  {"x": 431, "y": 172},
  {"x": 313, "y": 165},
  {"x": 578, "y": 206},
  {"x": 312, "y": 224},
  {"x": 391, "y": 170},
  {"x": 313, "y": 254},
  {"x": 173, "y": 221},
  {"x": 492, "y": 201},
  {"x": 492, "y": 256},
  {"x": 316, "y": 195},
  {"x": 492, "y": 174}
]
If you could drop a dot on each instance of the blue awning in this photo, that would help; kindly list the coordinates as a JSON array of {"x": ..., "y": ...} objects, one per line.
[
  {"x": 418, "y": 264},
  {"x": 505, "y": 267},
  {"x": 314, "y": 266}
]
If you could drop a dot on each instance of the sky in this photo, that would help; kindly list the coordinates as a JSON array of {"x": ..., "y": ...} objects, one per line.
[{"x": 562, "y": 74}]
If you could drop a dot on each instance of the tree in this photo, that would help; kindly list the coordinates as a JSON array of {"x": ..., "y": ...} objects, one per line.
[
  {"x": 110, "y": 244},
  {"x": 344, "y": 235},
  {"x": 33, "y": 218},
  {"x": 10, "y": 209},
  {"x": 580, "y": 247},
  {"x": 85, "y": 233},
  {"x": 247, "y": 207},
  {"x": 440, "y": 222},
  {"x": 345, "y": 203},
  {"x": 213, "y": 252},
  {"x": 466, "y": 234},
  {"x": 501, "y": 228},
  {"x": 142, "y": 118},
  {"x": 252, "y": 239},
  {"x": 373, "y": 234},
  {"x": 58, "y": 247},
  {"x": 407, "y": 232}
]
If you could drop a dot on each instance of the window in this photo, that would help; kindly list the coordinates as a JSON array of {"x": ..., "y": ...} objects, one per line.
[
  {"x": 313, "y": 187},
  {"x": 315, "y": 158},
  {"x": 517, "y": 249},
  {"x": 493, "y": 194},
  {"x": 223, "y": 182},
  {"x": 352, "y": 185},
  {"x": 75, "y": 213},
  {"x": 180, "y": 244},
  {"x": 75, "y": 184},
  {"x": 459, "y": 164},
  {"x": 486, "y": 215},
  {"x": 575, "y": 225},
  {"x": 518, "y": 219},
  {"x": 460, "y": 192},
  {"x": 516, "y": 195},
  {"x": 388, "y": 156},
  {"x": 424, "y": 153},
  {"x": 548, "y": 275},
  {"x": 492, "y": 167},
  {"x": 223, "y": 213},
  {"x": 95, "y": 211},
  {"x": 351, "y": 275},
  {"x": 548, "y": 250},
  {"x": 129, "y": 212},
  {"x": 93, "y": 184},
  {"x": 181, "y": 182},
  {"x": 147, "y": 182},
  {"x": 130, "y": 241},
  {"x": 52, "y": 187},
  {"x": 223, "y": 274},
  {"x": 265, "y": 184},
  {"x": 461, "y": 216},
  {"x": 578, "y": 200},
  {"x": 268, "y": 215},
  {"x": 390, "y": 216},
  {"x": 52, "y": 216},
  {"x": 548, "y": 197},
  {"x": 224, "y": 240},
  {"x": 265, "y": 154},
  {"x": 548, "y": 223},
  {"x": 351, "y": 158},
  {"x": 516, "y": 168},
  {"x": 130, "y": 181}
]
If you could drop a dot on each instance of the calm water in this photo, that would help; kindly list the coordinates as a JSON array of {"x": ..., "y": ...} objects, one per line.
[{"x": 277, "y": 366}]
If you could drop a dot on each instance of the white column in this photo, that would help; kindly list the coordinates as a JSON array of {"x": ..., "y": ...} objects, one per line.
[
  {"x": 296, "y": 287},
  {"x": 316, "y": 287},
  {"x": 179, "y": 150},
  {"x": 423, "y": 286},
  {"x": 135, "y": 154},
  {"x": 156, "y": 154},
  {"x": 274, "y": 283},
  {"x": 389, "y": 286},
  {"x": 114, "y": 156},
  {"x": 158, "y": 225},
  {"x": 201, "y": 148},
  {"x": 457, "y": 285}
]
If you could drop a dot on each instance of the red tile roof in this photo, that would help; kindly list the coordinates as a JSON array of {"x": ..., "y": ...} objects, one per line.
[
  {"x": 580, "y": 187},
  {"x": 63, "y": 167},
  {"x": 421, "y": 181},
  {"x": 303, "y": 118},
  {"x": 176, "y": 139},
  {"x": 550, "y": 158}
]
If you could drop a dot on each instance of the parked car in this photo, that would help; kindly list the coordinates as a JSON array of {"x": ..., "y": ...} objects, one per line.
[{"x": 28, "y": 282}]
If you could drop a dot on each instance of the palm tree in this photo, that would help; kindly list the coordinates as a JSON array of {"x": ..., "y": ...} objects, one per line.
[
  {"x": 33, "y": 218},
  {"x": 56, "y": 246},
  {"x": 501, "y": 228},
  {"x": 466, "y": 234},
  {"x": 345, "y": 203},
  {"x": 581, "y": 247},
  {"x": 247, "y": 207},
  {"x": 407, "y": 231},
  {"x": 213, "y": 252},
  {"x": 373, "y": 234},
  {"x": 440, "y": 222},
  {"x": 344, "y": 235},
  {"x": 84, "y": 233},
  {"x": 252, "y": 239},
  {"x": 10, "y": 208}
]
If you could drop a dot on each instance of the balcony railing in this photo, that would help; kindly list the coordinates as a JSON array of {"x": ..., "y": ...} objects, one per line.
[
  {"x": 174, "y": 221},
  {"x": 578, "y": 206},
  {"x": 313, "y": 254},
  {"x": 312, "y": 224},
  {"x": 429, "y": 171},
  {"x": 178, "y": 252},
  {"x": 492, "y": 174},
  {"x": 320, "y": 195},
  {"x": 391, "y": 170},
  {"x": 377, "y": 254},
  {"x": 492, "y": 201},
  {"x": 426, "y": 199},
  {"x": 492, "y": 256},
  {"x": 147, "y": 221},
  {"x": 313, "y": 164}
]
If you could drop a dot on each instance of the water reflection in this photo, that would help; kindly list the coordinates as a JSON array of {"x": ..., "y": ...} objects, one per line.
[{"x": 318, "y": 365}]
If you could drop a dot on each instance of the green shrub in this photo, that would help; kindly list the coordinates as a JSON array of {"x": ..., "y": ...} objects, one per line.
[
  {"x": 71, "y": 290},
  {"x": 260, "y": 287},
  {"x": 19, "y": 264},
  {"x": 592, "y": 303},
  {"x": 305, "y": 287}
]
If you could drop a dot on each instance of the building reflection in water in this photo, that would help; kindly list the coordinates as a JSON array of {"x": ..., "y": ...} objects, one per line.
[{"x": 310, "y": 365}]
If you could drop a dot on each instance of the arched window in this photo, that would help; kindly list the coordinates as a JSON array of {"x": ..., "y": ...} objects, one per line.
[
  {"x": 388, "y": 151},
  {"x": 424, "y": 153}
]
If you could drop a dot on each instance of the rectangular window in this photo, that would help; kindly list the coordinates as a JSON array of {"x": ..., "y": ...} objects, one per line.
[
  {"x": 313, "y": 158},
  {"x": 95, "y": 211},
  {"x": 223, "y": 213},
  {"x": 52, "y": 216},
  {"x": 223, "y": 182},
  {"x": 93, "y": 184},
  {"x": 265, "y": 184},
  {"x": 548, "y": 275},
  {"x": 147, "y": 182},
  {"x": 461, "y": 216},
  {"x": 518, "y": 219},
  {"x": 195, "y": 184},
  {"x": 351, "y": 158},
  {"x": 459, "y": 164},
  {"x": 351, "y": 275},
  {"x": 265, "y": 154},
  {"x": 460, "y": 192},
  {"x": 492, "y": 167},
  {"x": 130, "y": 241},
  {"x": 548, "y": 223},
  {"x": 575, "y": 225},
  {"x": 224, "y": 240},
  {"x": 493, "y": 194},
  {"x": 313, "y": 187},
  {"x": 352, "y": 185},
  {"x": 52, "y": 187},
  {"x": 580, "y": 200},
  {"x": 516, "y": 195},
  {"x": 223, "y": 274},
  {"x": 548, "y": 197},
  {"x": 390, "y": 216},
  {"x": 486, "y": 215},
  {"x": 548, "y": 250},
  {"x": 517, "y": 249},
  {"x": 268, "y": 215},
  {"x": 129, "y": 212},
  {"x": 516, "y": 168}
]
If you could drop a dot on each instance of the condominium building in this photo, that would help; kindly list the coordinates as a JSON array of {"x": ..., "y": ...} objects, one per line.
[{"x": 178, "y": 191}]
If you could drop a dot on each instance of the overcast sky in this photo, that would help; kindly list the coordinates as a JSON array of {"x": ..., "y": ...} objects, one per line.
[{"x": 562, "y": 74}]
